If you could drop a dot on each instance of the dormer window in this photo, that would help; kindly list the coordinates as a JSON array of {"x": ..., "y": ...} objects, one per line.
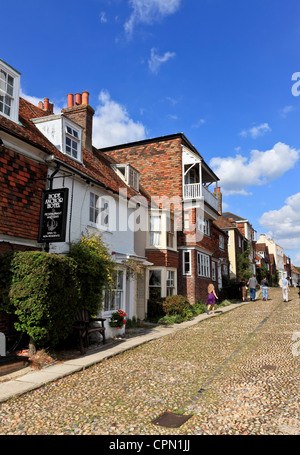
[
  {"x": 72, "y": 142},
  {"x": 129, "y": 174},
  {"x": 9, "y": 92},
  {"x": 63, "y": 133}
]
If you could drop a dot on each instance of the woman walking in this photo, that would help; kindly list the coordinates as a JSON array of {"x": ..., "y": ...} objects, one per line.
[
  {"x": 211, "y": 299},
  {"x": 243, "y": 287}
]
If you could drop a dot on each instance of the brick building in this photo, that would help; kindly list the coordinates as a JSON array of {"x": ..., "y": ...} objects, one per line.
[
  {"x": 39, "y": 150},
  {"x": 187, "y": 249}
]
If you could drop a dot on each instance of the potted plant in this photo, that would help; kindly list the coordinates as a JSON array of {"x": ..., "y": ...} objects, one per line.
[{"x": 118, "y": 319}]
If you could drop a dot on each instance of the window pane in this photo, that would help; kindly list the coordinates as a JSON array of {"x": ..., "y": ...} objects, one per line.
[
  {"x": 155, "y": 278},
  {"x": 186, "y": 262},
  {"x": 154, "y": 293},
  {"x": 155, "y": 238}
]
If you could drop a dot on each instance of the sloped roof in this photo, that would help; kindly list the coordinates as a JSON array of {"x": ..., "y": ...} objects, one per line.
[
  {"x": 96, "y": 167},
  {"x": 224, "y": 223}
]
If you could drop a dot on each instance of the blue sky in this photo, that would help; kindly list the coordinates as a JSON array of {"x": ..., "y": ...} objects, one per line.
[{"x": 218, "y": 71}]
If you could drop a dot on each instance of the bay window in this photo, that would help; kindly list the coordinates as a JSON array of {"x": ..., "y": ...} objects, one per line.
[
  {"x": 154, "y": 284},
  {"x": 170, "y": 283}
]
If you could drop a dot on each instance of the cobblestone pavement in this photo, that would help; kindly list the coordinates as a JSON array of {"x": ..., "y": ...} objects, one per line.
[{"x": 236, "y": 373}]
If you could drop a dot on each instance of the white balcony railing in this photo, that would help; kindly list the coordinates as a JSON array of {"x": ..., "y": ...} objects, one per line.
[
  {"x": 196, "y": 191},
  {"x": 192, "y": 191}
]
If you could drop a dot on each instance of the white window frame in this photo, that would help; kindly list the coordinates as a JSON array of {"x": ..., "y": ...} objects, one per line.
[
  {"x": 203, "y": 225},
  {"x": 114, "y": 298},
  {"x": 155, "y": 230},
  {"x": 203, "y": 265},
  {"x": 221, "y": 242},
  {"x": 9, "y": 95},
  {"x": 129, "y": 174},
  {"x": 170, "y": 283},
  {"x": 184, "y": 262},
  {"x": 100, "y": 211},
  {"x": 157, "y": 285},
  {"x": 170, "y": 234},
  {"x": 213, "y": 271},
  {"x": 73, "y": 135}
]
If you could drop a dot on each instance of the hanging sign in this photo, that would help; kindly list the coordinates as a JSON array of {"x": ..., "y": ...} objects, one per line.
[{"x": 53, "y": 218}]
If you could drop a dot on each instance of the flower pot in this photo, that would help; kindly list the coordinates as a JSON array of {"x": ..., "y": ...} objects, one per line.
[{"x": 115, "y": 332}]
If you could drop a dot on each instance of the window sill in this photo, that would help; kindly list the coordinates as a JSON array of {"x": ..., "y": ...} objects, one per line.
[{"x": 99, "y": 227}]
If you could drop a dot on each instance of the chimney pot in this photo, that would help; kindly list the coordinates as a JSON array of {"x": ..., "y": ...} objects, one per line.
[
  {"x": 46, "y": 104},
  {"x": 41, "y": 105},
  {"x": 85, "y": 97},
  {"x": 78, "y": 99},
  {"x": 70, "y": 100}
]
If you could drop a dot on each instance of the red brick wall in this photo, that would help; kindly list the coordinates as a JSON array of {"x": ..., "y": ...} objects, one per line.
[
  {"x": 159, "y": 163},
  {"x": 20, "y": 195},
  {"x": 163, "y": 258},
  {"x": 193, "y": 286},
  {"x": 160, "y": 167}
]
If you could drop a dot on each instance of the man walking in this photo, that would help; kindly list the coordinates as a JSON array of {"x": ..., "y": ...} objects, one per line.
[
  {"x": 252, "y": 283},
  {"x": 285, "y": 289},
  {"x": 265, "y": 288}
]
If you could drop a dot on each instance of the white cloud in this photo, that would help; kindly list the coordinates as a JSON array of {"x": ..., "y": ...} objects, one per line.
[
  {"x": 286, "y": 110},
  {"x": 200, "y": 122},
  {"x": 156, "y": 60},
  {"x": 58, "y": 106},
  {"x": 112, "y": 124},
  {"x": 149, "y": 11},
  {"x": 239, "y": 172},
  {"x": 284, "y": 224},
  {"x": 256, "y": 131},
  {"x": 296, "y": 259}
]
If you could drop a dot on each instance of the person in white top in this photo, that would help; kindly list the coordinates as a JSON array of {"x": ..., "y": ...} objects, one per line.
[{"x": 285, "y": 289}]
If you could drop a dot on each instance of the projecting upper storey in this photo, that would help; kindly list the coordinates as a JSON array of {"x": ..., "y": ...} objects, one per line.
[
  {"x": 170, "y": 166},
  {"x": 197, "y": 177}
]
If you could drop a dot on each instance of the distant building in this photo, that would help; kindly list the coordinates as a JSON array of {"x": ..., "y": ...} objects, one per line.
[
  {"x": 277, "y": 252},
  {"x": 248, "y": 233}
]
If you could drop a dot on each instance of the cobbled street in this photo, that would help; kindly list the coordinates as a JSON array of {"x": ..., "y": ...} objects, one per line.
[{"x": 235, "y": 373}]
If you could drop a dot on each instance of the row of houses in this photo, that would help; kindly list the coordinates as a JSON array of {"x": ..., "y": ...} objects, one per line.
[
  {"x": 156, "y": 202},
  {"x": 266, "y": 257}
]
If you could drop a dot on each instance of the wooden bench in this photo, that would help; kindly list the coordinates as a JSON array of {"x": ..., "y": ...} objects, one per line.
[{"x": 83, "y": 325}]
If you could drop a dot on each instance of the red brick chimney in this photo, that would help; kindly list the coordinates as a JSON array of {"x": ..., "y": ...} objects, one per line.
[
  {"x": 46, "y": 106},
  {"x": 218, "y": 195},
  {"x": 81, "y": 113}
]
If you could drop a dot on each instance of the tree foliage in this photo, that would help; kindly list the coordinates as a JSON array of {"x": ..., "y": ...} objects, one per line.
[
  {"x": 94, "y": 271},
  {"x": 244, "y": 264},
  {"x": 44, "y": 294}
]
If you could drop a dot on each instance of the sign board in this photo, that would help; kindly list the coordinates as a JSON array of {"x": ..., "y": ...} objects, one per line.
[{"x": 53, "y": 216}]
